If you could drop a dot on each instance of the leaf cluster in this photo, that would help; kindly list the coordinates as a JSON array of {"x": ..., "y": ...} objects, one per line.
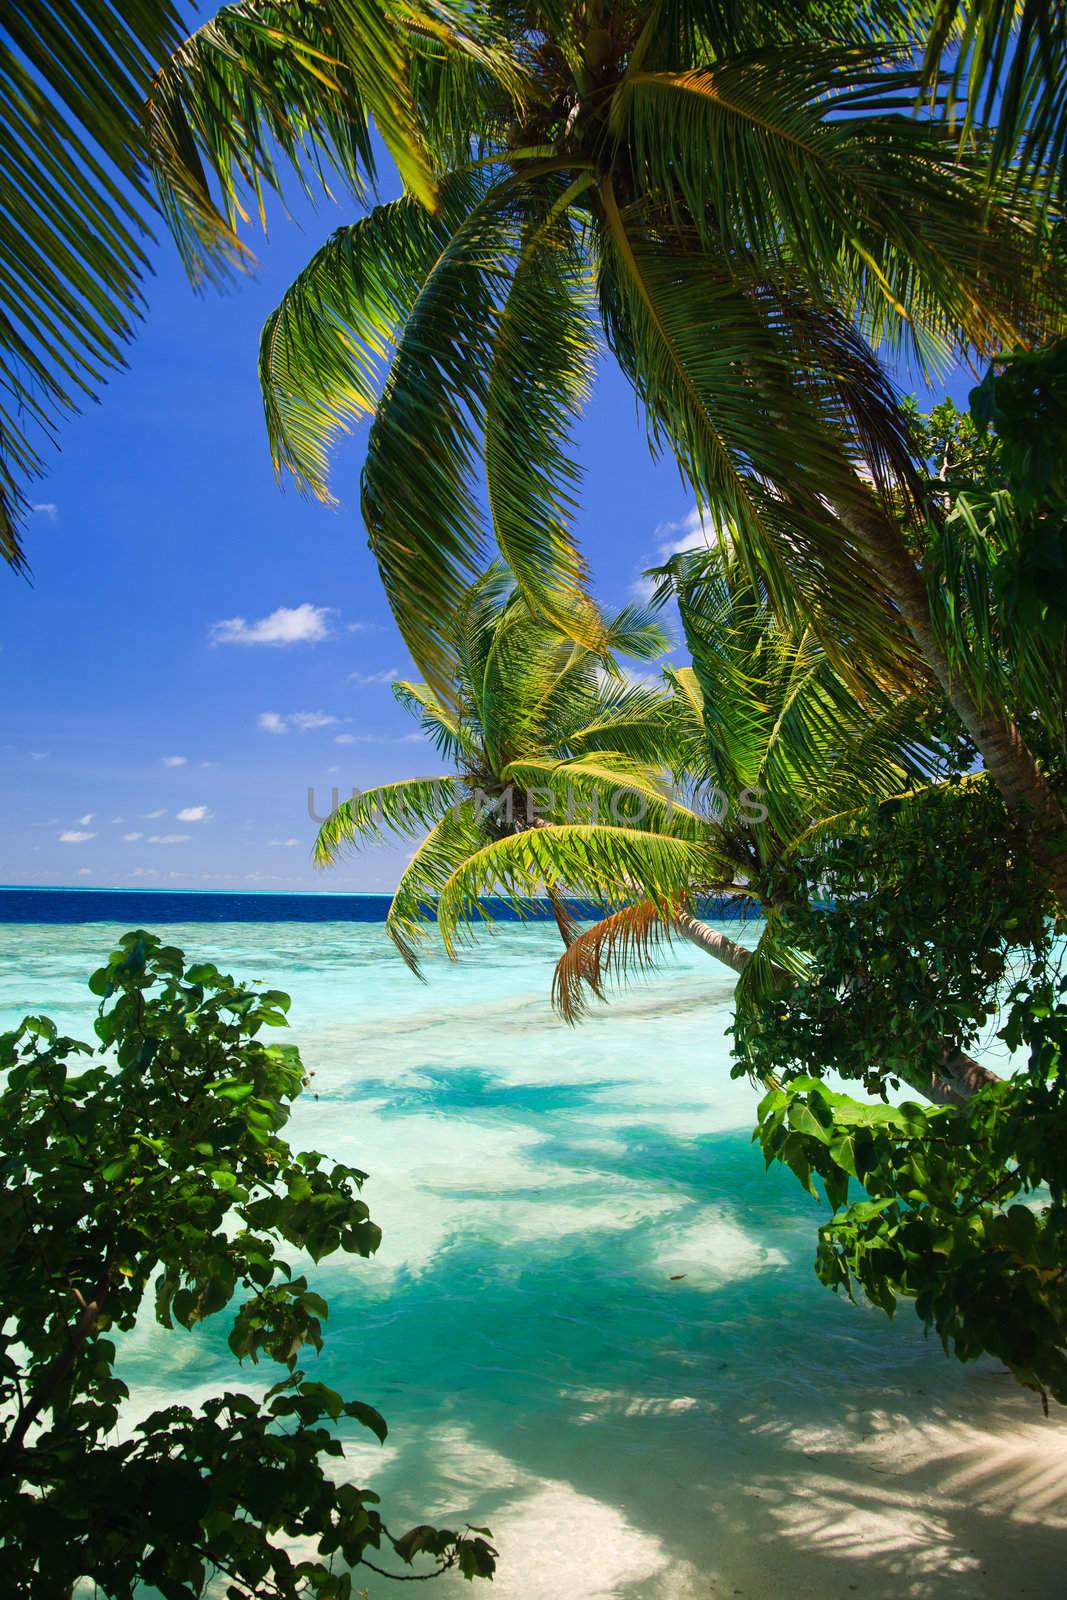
[
  {"x": 900, "y": 930},
  {"x": 961, "y": 1210},
  {"x": 162, "y": 1172}
]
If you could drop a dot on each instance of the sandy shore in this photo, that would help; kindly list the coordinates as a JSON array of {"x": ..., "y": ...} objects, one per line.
[{"x": 967, "y": 1500}]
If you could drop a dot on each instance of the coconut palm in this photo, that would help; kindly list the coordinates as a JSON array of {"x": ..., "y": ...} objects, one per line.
[
  {"x": 739, "y": 201},
  {"x": 741, "y": 189},
  {"x": 774, "y": 748},
  {"x": 538, "y": 729}
]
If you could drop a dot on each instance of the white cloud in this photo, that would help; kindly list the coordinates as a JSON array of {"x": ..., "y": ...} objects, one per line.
[
  {"x": 144, "y": 872},
  {"x": 46, "y": 508},
  {"x": 193, "y": 814},
  {"x": 39, "y": 755},
  {"x": 169, "y": 838},
  {"x": 85, "y": 872},
  {"x": 344, "y": 738},
  {"x": 691, "y": 532},
  {"x": 632, "y": 677},
  {"x": 387, "y": 675},
  {"x": 83, "y": 822},
  {"x": 174, "y": 761},
  {"x": 304, "y": 624},
  {"x": 117, "y": 821},
  {"x": 131, "y": 838},
  {"x": 153, "y": 815},
  {"x": 306, "y": 720},
  {"x": 282, "y": 843},
  {"x": 303, "y": 721},
  {"x": 75, "y": 836}
]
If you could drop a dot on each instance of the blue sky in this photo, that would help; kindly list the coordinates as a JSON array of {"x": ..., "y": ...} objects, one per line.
[{"x": 198, "y": 647}]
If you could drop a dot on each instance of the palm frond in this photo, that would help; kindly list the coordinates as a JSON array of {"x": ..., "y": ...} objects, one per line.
[
  {"x": 443, "y": 725},
  {"x": 538, "y": 382},
  {"x": 813, "y": 158},
  {"x": 636, "y": 631},
  {"x": 634, "y": 719},
  {"x": 600, "y": 863},
  {"x": 72, "y": 250},
  {"x": 1009, "y": 57},
  {"x": 989, "y": 639},
  {"x": 322, "y": 350},
  {"x": 453, "y": 838},
  {"x": 723, "y": 376},
  {"x": 629, "y": 939},
  {"x": 294, "y": 81},
  {"x": 419, "y": 499},
  {"x": 778, "y": 718},
  {"x": 407, "y": 806},
  {"x": 607, "y": 780}
]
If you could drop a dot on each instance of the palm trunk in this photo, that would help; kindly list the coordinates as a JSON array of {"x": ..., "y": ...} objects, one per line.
[
  {"x": 717, "y": 945},
  {"x": 961, "y": 1076},
  {"x": 1005, "y": 754}
]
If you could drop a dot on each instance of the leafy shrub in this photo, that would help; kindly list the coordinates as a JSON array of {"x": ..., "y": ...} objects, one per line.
[{"x": 166, "y": 1166}]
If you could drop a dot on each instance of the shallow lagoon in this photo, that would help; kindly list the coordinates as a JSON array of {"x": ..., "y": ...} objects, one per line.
[{"x": 593, "y": 1322}]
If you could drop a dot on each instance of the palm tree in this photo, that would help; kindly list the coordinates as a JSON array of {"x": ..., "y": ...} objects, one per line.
[
  {"x": 738, "y": 193},
  {"x": 537, "y": 730},
  {"x": 775, "y": 749},
  {"x": 739, "y": 201}
]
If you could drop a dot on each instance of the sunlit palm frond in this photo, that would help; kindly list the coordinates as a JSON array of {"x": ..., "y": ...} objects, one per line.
[
  {"x": 606, "y": 786},
  {"x": 322, "y": 351},
  {"x": 716, "y": 368},
  {"x": 419, "y": 487},
  {"x": 777, "y": 719},
  {"x": 295, "y": 80},
  {"x": 407, "y": 806},
  {"x": 529, "y": 661},
  {"x": 635, "y": 719},
  {"x": 813, "y": 158},
  {"x": 453, "y": 838},
  {"x": 603, "y": 864},
  {"x": 638, "y": 631}
]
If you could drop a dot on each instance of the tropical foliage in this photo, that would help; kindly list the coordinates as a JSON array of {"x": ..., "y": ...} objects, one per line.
[
  {"x": 995, "y": 546},
  {"x": 746, "y": 189},
  {"x": 742, "y": 203},
  {"x": 767, "y": 742},
  {"x": 203, "y": 130},
  {"x": 741, "y": 200},
  {"x": 936, "y": 933},
  {"x": 538, "y": 730},
  {"x": 960, "y": 1212},
  {"x": 163, "y": 1175}
]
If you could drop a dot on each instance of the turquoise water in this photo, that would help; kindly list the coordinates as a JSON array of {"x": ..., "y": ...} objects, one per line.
[{"x": 593, "y": 1323}]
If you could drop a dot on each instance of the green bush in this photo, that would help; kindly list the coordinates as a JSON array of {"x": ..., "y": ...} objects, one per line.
[{"x": 164, "y": 1166}]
